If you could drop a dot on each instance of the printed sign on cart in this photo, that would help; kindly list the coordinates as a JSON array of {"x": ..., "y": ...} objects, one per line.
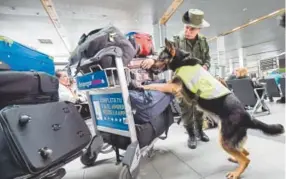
[
  {"x": 92, "y": 81},
  {"x": 110, "y": 111}
]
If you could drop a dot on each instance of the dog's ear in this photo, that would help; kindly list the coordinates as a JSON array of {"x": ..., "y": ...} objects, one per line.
[
  {"x": 167, "y": 43},
  {"x": 170, "y": 47}
]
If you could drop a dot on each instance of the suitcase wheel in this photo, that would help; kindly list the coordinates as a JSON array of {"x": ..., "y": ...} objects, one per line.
[
  {"x": 125, "y": 173},
  {"x": 87, "y": 159}
]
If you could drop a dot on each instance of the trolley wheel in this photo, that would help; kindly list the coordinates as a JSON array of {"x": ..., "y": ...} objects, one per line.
[
  {"x": 87, "y": 160},
  {"x": 151, "y": 153},
  {"x": 59, "y": 174},
  {"x": 125, "y": 173}
]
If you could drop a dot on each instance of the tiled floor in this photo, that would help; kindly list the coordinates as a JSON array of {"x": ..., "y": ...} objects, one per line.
[{"x": 173, "y": 160}]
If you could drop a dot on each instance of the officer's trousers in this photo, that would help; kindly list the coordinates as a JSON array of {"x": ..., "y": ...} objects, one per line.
[{"x": 192, "y": 117}]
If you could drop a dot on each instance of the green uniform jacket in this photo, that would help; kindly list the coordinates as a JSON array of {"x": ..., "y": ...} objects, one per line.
[{"x": 199, "y": 49}]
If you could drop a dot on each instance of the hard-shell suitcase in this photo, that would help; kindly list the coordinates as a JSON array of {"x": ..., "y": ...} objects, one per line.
[
  {"x": 36, "y": 138},
  {"x": 23, "y": 58},
  {"x": 27, "y": 88}
]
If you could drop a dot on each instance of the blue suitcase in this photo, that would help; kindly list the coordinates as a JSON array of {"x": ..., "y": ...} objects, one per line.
[{"x": 21, "y": 58}]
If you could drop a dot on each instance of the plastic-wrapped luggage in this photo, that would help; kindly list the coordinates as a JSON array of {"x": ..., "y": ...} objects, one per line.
[
  {"x": 22, "y": 58},
  {"x": 90, "y": 44},
  {"x": 35, "y": 139},
  {"x": 27, "y": 88}
]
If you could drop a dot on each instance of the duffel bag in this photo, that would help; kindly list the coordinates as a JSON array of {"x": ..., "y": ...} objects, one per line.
[
  {"x": 90, "y": 44},
  {"x": 145, "y": 132},
  {"x": 36, "y": 138},
  {"x": 27, "y": 88},
  {"x": 147, "y": 105},
  {"x": 142, "y": 42}
]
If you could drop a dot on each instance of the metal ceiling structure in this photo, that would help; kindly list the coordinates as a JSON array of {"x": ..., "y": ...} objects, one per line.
[{"x": 27, "y": 21}]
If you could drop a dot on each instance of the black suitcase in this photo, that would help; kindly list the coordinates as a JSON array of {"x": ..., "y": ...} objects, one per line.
[
  {"x": 27, "y": 88},
  {"x": 37, "y": 138}
]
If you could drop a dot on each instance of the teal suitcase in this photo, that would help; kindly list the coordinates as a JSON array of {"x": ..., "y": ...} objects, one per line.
[{"x": 22, "y": 58}]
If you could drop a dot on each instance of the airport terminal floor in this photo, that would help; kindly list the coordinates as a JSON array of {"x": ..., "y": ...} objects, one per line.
[{"x": 174, "y": 160}]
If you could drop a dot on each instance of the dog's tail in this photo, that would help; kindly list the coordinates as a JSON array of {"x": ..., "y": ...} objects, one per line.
[{"x": 269, "y": 129}]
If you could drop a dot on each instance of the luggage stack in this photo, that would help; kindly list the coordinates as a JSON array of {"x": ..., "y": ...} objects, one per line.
[
  {"x": 102, "y": 63},
  {"x": 38, "y": 134}
]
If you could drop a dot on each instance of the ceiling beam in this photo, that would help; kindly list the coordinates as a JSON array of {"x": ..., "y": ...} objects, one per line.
[
  {"x": 51, "y": 11},
  {"x": 255, "y": 21},
  {"x": 170, "y": 11}
]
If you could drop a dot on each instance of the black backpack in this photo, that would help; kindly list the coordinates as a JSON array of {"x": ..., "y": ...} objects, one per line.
[{"x": 89, "y": 45}]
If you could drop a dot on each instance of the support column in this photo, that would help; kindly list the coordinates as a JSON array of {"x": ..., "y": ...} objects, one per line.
[
  {"x": 160, "y": 31},
  {"x": 159, "y": 35},
  {"x": 221, "y": 57},
  {"x": 163, "y": 34},
  {"x": 230, "y": 65},
  {"x": 156, "y": 36},
  {"x": 242, "y": 57}
]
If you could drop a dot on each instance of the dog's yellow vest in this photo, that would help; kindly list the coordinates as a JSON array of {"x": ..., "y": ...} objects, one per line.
[{"x": 197, "y": 78}]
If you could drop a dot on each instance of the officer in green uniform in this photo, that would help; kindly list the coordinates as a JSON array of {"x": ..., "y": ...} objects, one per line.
[{"x": 191, "y": 41}]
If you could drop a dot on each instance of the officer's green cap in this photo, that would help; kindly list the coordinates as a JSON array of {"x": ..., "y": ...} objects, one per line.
[{"x": 195, "y": 18}]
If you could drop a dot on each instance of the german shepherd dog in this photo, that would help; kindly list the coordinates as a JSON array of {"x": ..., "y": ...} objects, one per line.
[{"x": 234, "y": 119}]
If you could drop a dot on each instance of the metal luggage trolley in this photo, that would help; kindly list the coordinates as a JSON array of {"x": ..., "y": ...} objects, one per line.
[{"x": 111, "y": 112}]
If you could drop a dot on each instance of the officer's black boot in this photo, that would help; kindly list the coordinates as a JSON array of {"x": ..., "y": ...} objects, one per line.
[
  {"x": 201, "y": 134},
  {"x": 192, "y": 141}
]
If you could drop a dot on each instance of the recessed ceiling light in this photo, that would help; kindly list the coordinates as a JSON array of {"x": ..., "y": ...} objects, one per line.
[{"x": 244, "y": 9}]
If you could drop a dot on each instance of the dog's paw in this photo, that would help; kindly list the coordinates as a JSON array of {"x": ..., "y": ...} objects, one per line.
[{"x": 232, "y": 175}]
